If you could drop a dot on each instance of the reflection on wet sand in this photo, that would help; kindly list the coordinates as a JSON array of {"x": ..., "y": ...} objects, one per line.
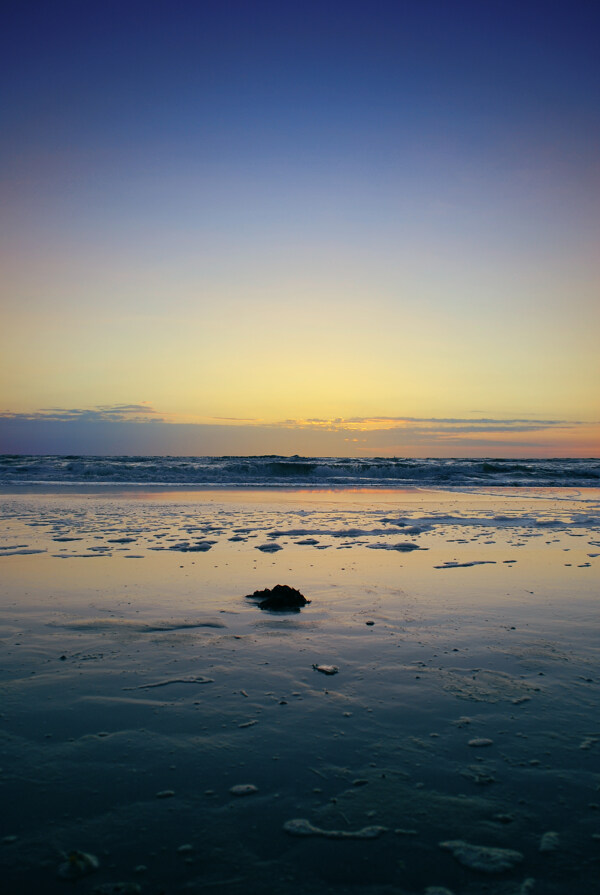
[{"x": 143, "y": 699}]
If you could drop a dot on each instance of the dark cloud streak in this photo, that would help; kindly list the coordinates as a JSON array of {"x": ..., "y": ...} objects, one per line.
[{"x": 113, "y": 413}]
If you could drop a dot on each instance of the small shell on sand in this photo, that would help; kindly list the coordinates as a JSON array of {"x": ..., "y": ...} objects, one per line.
[
  {"x": 326, "y": 669},
  {"x": 482, "y": 857},
  {"x": 302, "y": 827},
  {"x": 243, "y": 789},
  {"x": 480, "y": 741},
  {"x": 78, "y": 864},
  {"x": 549, "y": 841}
]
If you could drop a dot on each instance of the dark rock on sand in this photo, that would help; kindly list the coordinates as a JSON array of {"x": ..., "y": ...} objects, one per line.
[{"x": 278, "y": 598}]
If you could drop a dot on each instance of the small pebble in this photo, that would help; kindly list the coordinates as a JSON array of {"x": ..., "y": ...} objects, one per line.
[
  {"x": 165, "y": 794},
  {"x": 243, "y": 789},
  {"x": 326, "y": 669}
]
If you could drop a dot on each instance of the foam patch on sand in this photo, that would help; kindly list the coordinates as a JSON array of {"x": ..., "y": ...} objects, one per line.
[{"x": 192, "y": 529}]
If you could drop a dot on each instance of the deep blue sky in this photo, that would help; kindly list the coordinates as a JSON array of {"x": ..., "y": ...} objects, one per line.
[{"x": 306, "y": 79}]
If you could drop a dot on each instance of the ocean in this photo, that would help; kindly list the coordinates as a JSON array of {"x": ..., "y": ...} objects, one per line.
[{"x": 298, "y": 472}]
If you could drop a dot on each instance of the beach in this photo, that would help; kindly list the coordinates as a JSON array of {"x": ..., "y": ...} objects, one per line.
[
  {"x": 300, "y": 448},
  {"x": 428, "y": 722}
]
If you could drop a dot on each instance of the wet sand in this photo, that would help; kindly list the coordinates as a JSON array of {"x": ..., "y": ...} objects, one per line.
[{"x": 141, "y": 688}]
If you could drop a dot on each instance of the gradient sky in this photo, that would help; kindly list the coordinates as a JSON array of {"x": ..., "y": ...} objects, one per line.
[{"x": 324, "y": 228}]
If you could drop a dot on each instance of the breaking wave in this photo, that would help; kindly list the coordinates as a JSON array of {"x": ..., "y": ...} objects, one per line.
[{"x": 298, "y": 472}]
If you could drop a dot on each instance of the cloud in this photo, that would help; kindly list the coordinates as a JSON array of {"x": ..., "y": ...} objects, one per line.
[
  {"x": 433, "y": 427},
  {"x": 454, "y": 420},
  {"x": 136, "y": 429},
  {"x": 235, "y": 419},
  {"x": 113, "y": 413}
]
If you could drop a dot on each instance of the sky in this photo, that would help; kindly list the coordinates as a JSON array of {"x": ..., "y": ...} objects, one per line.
[{"x": 324, "y": 228}]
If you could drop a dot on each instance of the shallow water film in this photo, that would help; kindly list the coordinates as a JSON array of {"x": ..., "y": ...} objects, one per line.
[{"x": 428, "y": 723}]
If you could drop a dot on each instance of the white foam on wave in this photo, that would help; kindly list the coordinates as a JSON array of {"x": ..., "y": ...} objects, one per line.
[{"x": 274, "y": 471}]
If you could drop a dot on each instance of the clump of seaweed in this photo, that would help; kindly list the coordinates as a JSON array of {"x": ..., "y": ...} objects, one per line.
[{"x": 279, "y": 598}]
